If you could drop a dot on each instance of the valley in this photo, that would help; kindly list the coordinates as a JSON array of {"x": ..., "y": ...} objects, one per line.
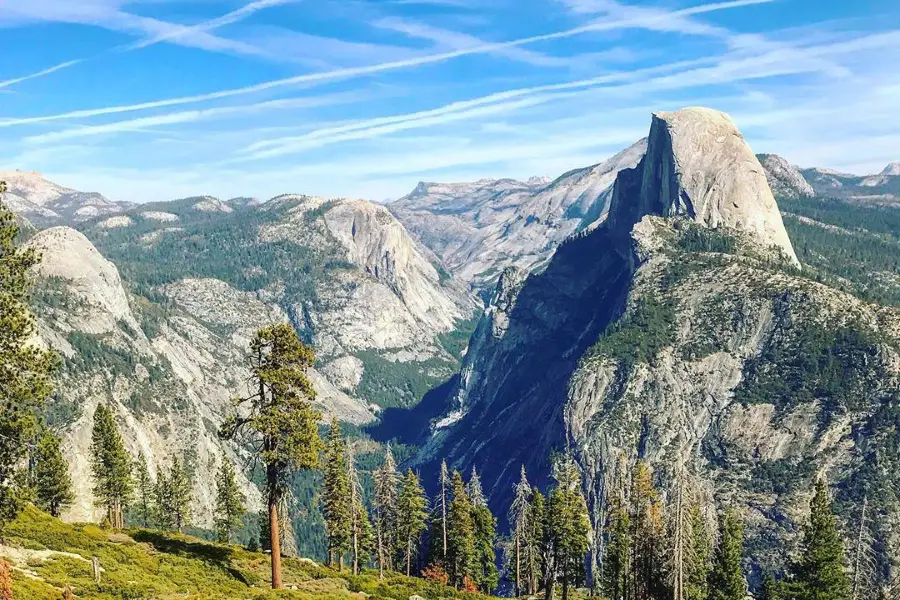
[{"x": 684, "y": 306}]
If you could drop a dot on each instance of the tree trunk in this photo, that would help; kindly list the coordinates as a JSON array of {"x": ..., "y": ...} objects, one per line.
[
  {"x": 565, "y": 584},
  {"x": 518, "y": 565},
  {"x": 408, "y": 557},
  {"x": 341, "y": 561},
  {"x": 275, "y": 542},
  {"x": 355, "y": 553}
]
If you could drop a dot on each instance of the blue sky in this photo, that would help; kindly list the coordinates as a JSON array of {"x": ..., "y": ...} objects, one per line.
[{"x": 155, "y": 99}]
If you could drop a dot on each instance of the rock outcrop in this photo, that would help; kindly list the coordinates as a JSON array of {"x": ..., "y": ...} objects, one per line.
[{"x": 785, "y": 180}]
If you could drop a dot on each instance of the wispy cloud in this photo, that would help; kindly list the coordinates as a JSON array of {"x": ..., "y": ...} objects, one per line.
[
  {"x": 107, "y": 14},
  {"x": 351, "y": 72},
  {"x": 47, "y": 71}
]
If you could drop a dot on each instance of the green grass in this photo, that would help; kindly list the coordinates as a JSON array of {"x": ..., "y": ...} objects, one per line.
[{"x": 140, "y": 563}]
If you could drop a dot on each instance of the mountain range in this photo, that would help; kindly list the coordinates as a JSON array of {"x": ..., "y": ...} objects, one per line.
[{"x": 658, "y": 305}]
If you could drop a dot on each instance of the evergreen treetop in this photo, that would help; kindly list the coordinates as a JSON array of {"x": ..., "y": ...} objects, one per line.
[{"x": 52, "y": 482}]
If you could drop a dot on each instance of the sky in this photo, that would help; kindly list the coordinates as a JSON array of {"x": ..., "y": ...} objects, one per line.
[{"x": 147, "y": 100}]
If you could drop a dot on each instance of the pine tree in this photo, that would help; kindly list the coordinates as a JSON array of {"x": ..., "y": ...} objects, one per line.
[
  {"x": 162, "y": 492},
  {"x": 438, "y": 534},
  {"x": 699, "y": 556},
  {"x": 360, "y": 526},
  {"x": 571, "y": 525},
  {"x": 535, "y": 550},
  {"x": 336, "y": 495},
  {"x": 25, "y": 369},
  {"x": 770, "y": 589},
  {"x": 278, "y": 420},
  {"x": 617, "y": 556},
  {"x": 519, "y": 522},
  {"x": 144, "y": 490},
  {"x": 111, "y": 467},
  {"x": 726, "y": 579},
  {"x": 647, "y": 533},
  {"x": 52, "y": 483},
  {"x": 461, "y": 552},
  {"x": 820, "y": 574},
  {"x": 179, "y": 496},
  {"x": 412, "y": 517},
  {"x": 230, "y": 509},
  {"x": 386, "y": 481},
  {"x": 486, "y": 576}
]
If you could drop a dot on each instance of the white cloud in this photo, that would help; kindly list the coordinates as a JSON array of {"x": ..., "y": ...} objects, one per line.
[{"x": 351, "y": 72}]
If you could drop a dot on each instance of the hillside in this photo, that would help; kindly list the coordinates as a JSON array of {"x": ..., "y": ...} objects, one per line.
[
  {"x": 682, "y": 331},
  {"x": 47, "y": 555},
  {"x": 153, "y": 309}
]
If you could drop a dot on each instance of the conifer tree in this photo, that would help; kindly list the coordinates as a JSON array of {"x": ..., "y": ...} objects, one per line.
[
  {"x": 820, "y": 573},
  {"x": 52, "y": 483},
  {"x": 647, "y": 536},
  {"x": 162, "y": 493},
  {"x": 230, "y": 509},
  {"x": 485, "y": 524},
  {"x": 277, "y": 420},
  {"x": 617, "y": 557},
  {"x": 360, "y": 527},
  {"x": 386, "y": 482},
  {"x": 25, "y": 369},
  {"x": 179, "y": 496},
  {"x": 535, "y": 550},
  {"x": 726, "y": 579},
  {"x": 412, "y": 517},
  {"x": 699, "y": 556},
  {"x": 519, "y": 522},
  {"x": 336, "y": 496},
  {"x": 144, "y": 491},
  {"x": 461, "y": 552},
  {"x": 770, "y": 589},
  {"x": 571, "y": 528},
  {"x": 111, "y": 467}
]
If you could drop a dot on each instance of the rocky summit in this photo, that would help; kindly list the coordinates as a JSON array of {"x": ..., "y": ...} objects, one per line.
[{"x": 680, "y": 332}]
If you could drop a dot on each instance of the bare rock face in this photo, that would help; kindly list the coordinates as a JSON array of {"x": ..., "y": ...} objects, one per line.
[
  {"x": 892, "y": 170},
  {"x": 480, "y": 228},
  {"x": 785, "y": 180},
  {"x": 699, "y": 166}
]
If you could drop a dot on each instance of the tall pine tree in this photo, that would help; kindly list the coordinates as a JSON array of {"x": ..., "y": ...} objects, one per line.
[
  {"x": 726, "y": 579},
  {"x": 277, "y": 420},
  {"x": 386, "y": 481},
  {"x": 820, "y": 573},
  {"x": 179, "y": 496},
  {"x": 230, "y": 509},
  {"x": 336, "y": 496},
  {"x": 519, "y": 521},
  {"x": 52, "y": 483},
  {"x": 412, "y": 518},
  {"x": 536, "y": 552},
  {"x": 361, "y": 537},
  {"x": 461, "y": 553},
  {"x": 144, "y": 492},
  {"x": 615, "y": 576},
  {"x": 111, "y": 467},
  {"x": 485, "y": 524},
  {"x": 25, "y": 369},
  {"x": 647, "y": 534},
  {"x": 699, "y": 556},
  {"x": 571, "y": 527}
]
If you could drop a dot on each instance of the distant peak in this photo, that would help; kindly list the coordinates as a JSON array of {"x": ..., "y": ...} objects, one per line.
[
  {"x": 536, "y": 180},
  {"x": 893, "y": 169}
]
